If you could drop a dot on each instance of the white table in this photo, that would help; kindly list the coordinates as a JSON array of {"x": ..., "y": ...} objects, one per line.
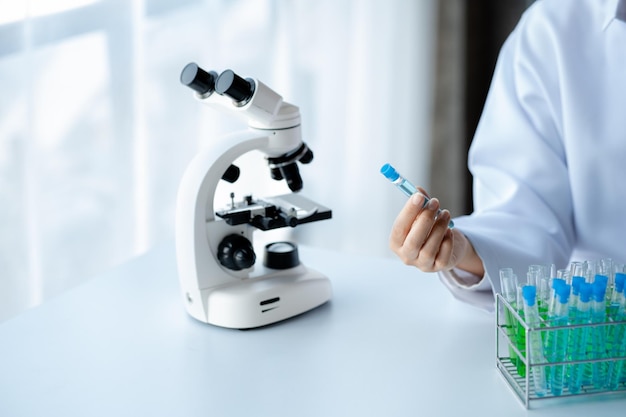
[{"x": 392, "y": 342}]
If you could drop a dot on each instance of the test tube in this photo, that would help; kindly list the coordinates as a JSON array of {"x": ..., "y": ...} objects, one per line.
[
  {"x": 608, "y": 270},
  {"x": 535, "y": 343},
  {"x": 532, "y": 276},
  {"x": 598, "y": 315},
  {"x": 590, "y": 269},
  {"x": 618, "y": 335},
  {"x": 556, "y": 344},
  {"x": 508, "y": 284},
  {"x": 564, "y": 274},
  {"x": 577, "y": 281},
  {"x": 576, "y": 269},
  {"x": 556, "y": 284},
  {"x": 617, "y": 295},
  {"x": 520, "y": 331},
  {"x": 405, "y": 185},
  {"x": 580, "y": 337}
]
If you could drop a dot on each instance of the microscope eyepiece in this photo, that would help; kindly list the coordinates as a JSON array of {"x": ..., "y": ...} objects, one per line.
[
  {"x": 239, "y": 89},
  {"x": 198, "y": 79}
]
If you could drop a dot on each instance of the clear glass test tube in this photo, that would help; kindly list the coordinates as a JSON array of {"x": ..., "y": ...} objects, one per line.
[{"x": 405, "y": 185}]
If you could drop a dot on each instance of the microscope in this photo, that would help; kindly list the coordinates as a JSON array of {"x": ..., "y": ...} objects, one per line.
[{"x": 221, "y": 281}]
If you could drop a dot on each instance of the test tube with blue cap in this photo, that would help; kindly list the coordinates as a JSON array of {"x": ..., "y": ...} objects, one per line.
[
  {"x": 515, "y": 330},
  {"x": 617, "y": 294},
  {"x": 534, "y": 341},
  {"x": 577, "y": 281},
  {"x": 598, "y": 315},
  {"x": 618, "y": 334},
  {"x": 556, "y": 340},
  {"x": 405, "y": 185},
  {"x": 580, "y": 337}
]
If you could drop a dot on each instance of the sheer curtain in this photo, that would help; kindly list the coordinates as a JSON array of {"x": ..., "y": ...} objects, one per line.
[{"x": 96, "y": 130}]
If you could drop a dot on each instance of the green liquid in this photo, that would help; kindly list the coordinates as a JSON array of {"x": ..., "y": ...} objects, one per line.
[
  {"x": 520, "y": 344},
  {"x": 616, "y": 368}
]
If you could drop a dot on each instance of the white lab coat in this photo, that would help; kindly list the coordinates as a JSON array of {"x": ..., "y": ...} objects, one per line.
[{"x": 549, "y": 154}]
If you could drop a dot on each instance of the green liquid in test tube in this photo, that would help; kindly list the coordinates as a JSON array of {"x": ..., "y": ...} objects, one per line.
[
  {"x": 508, "y": 285},
  {"x": 617, "y": 295},
  {"x": 520, "y": 334},
  {"x": 405, "y": 185},
  {"x": 618, "y": 333},
  {"x": 556, "y": 343},
  {"x": 598, "y": 316},
  {"x": 535, "y": 343}
]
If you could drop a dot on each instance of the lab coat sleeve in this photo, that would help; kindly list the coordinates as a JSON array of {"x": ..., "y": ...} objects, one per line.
[
  {"x": 523, "y": 205},
  {"x": 469, "y": 288}
]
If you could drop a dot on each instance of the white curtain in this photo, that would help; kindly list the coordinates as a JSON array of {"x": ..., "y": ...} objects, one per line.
[{"x": 96, "y": 130}]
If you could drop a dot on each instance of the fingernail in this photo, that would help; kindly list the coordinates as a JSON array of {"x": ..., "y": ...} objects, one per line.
[
  {"x": 433, "y": 204},
  {"x": 418, "y": 199}
]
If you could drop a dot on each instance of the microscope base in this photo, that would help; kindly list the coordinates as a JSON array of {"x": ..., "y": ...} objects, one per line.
[{"x": 264, "y": 300}]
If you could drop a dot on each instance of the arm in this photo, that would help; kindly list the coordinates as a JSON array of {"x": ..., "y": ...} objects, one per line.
[{"x": 523, "y": 200}]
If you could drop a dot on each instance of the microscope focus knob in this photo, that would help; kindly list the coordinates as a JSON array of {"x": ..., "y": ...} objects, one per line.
[
  {"x": 198, "y": 79},
  {"x": 236, "y": 252},
  {"x": 235, "y": 87}
]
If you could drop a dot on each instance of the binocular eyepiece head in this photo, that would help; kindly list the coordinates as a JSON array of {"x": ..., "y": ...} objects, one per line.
[
  {"x": 229, "y": 84},
  {"x": 241, "y": 91}
]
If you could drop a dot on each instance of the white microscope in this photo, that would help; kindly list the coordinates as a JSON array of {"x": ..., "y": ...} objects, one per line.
[{"x": 220, "y": 282}]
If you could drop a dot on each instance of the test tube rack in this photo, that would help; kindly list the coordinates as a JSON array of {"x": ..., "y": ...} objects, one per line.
[{"x": 513, "y": 337}]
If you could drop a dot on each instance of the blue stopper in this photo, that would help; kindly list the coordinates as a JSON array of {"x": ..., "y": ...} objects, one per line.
[
  {"x": 576, "y": 282},
  {"x": 529, "y": 292},
  {"x": 620, "y": 278},
  {"x": 389, "y": 172},
  {"x": 557, "y": 282},
  {"x": 585, "y": 292},
  {"x": 599, "y": 289},
  {"x": 601, "y": 278},
  {"x": 563, "y": 292}
]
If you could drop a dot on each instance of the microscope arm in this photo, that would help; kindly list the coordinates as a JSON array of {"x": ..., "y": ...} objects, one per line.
[{"x": 195, "y": 243}]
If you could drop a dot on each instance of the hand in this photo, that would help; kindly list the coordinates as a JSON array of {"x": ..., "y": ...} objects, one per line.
[{"x": 421, "y": 239}]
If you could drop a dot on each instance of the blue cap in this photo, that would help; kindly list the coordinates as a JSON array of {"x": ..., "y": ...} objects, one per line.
[
  {"x": 557, "y": 282},
  {"x": 389, "y": 172},
  {"x": 585, "y": 292},
  {"x": 562, "y": 293},
  {"x": 599, "y": 289},
  {"x": 576, "y": 281},
  {"x": 529, "y": 292},
  {"x": 620, "y": 278},
  {"x": 601, "y": 281}
]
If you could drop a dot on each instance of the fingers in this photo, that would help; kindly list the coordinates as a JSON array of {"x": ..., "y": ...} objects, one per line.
[
  {"x": 420, "y": 238},
  {"x": 436, "y": 251},
  {"x": 421, "y": 230},
  {"x": 404, "y": 222}
]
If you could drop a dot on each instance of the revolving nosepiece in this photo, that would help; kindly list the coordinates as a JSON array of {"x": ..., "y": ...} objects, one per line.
[{"x": 285, "y": 167}]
